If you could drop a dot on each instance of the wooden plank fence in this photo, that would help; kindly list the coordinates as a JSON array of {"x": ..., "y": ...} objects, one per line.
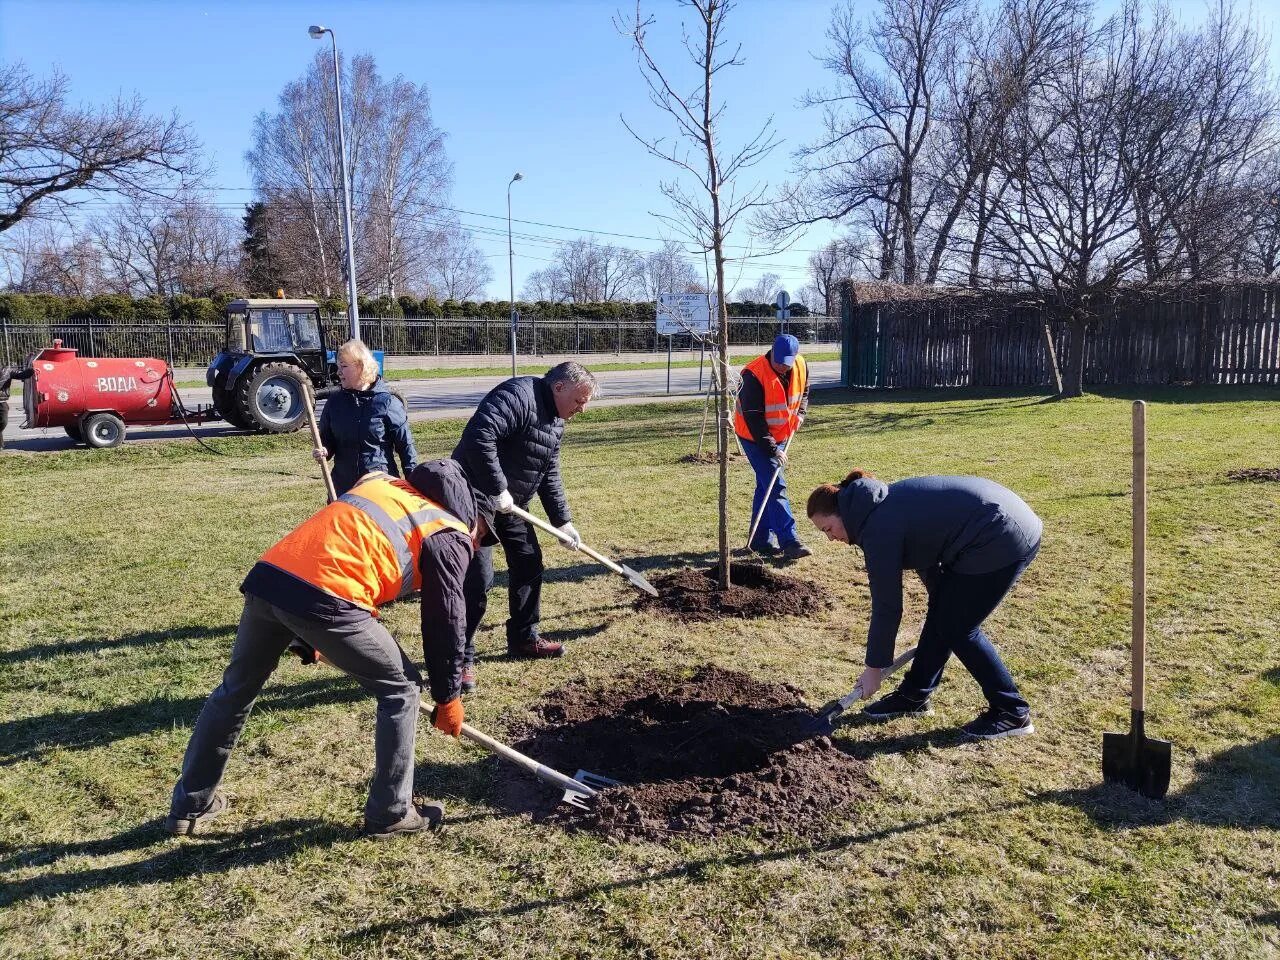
[{"x": 1228, "y": 334}]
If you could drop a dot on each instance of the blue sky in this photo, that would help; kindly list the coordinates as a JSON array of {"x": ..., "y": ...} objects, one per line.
[{"x": 531, "y": 86}]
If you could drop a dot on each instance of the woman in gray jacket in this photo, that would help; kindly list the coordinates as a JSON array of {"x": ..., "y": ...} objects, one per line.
[{"x": 968, "y": 539}]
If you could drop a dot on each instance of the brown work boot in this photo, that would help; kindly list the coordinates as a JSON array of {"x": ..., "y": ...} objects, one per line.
[
  {"x": 535, "y": 648},
  {"x": 422, "y": 816},
  {"x": 195, "y": 822},
  {"x": 469, "y": 678}
]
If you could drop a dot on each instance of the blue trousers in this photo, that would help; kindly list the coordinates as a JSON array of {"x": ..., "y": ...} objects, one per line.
[
  {"x": 777, "y": 526},
  {"x": 958, "y": 605}
]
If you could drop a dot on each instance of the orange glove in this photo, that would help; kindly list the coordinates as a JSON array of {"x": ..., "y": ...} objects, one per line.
[{"x": 448, "y": 717}]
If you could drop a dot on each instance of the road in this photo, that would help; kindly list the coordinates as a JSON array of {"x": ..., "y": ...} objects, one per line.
[{"x": 428, "y": 400}]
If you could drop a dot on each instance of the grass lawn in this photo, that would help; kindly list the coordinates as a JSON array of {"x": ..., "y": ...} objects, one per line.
[{"x": 119, "y": 592}]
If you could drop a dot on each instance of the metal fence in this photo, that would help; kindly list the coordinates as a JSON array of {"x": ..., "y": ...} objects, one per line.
[{"x": 194, "y": 344}]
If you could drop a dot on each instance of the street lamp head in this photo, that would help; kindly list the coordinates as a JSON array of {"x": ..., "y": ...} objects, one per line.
[
  {"x": 518, "y": 176},
  {"x": 317, "y": 32}
]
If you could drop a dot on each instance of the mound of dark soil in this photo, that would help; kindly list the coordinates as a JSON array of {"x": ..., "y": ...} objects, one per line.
[
  {"x": 1255, "y": 475},
  {"x": 754, "y": 591},
  {"x": 718, "y": 752}
]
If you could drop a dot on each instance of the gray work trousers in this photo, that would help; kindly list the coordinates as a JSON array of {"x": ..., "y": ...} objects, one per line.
[{"x": 364, "y": 649}]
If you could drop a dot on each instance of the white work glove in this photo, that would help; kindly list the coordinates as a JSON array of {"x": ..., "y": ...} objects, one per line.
[
  {"x": 575, "y": 538},
  {"x": 504, "y": 502},
  {"x": 781, "y": 456},
  {"x": 320, "y": 454}
]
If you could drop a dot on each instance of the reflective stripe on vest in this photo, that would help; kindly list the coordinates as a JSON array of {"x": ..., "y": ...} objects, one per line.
[
  {"x": 781, "y": 404},
  {"x": 364, "y": 547}
]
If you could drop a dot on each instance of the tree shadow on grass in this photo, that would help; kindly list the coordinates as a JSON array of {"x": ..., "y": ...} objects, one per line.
[
  {"x": 31, "y": 738},
  {"x": 63, "y": 648},
  {"x": 660, "y": 563},
  {"x": 265, "y": 843},
  {"x": 1238, "y": 787}
]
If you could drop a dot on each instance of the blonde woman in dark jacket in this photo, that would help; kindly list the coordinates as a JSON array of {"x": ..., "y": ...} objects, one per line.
[
  {"x": 364, "y": 426},
  {"x": 969, "y": 540}
]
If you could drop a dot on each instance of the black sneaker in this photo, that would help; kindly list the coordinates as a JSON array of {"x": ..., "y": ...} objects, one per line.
[
  {"x": 797, "y": 551},
  {"x": 897, "y": 704},
  {"x": 195, "y": 822},
  {"x": 994, "y": 724},
  {"x": 425, "y": 816}
]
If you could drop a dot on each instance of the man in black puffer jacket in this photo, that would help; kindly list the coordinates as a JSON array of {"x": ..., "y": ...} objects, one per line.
[{"x": 510, "y": 450}]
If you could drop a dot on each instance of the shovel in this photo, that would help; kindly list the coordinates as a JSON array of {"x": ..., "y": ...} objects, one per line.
[
  {"x": 310, "y": 404},
  {"x": 579, "y": 789},
  {"x": 621, "y": 569},
  {"x": 825, "y": 720},
  {"x": 1134, "y": 759},
  {"x": 764, "y": 501}
]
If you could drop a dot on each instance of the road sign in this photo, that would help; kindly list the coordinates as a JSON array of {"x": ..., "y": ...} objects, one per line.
[
  {"x": 684, "y": 312},
  {"x": 783, "y": 301}
]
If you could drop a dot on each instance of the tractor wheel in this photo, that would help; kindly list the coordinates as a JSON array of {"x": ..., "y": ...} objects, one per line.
[
  {"x": 74, "y": 432},
  {"x": 102, "y": 430},
  {"x": 272, "y": 399},
  {"x": 224, "y": 402}
]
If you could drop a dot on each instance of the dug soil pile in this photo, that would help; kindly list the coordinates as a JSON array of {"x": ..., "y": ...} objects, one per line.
[
  {"x": 709, "y": 456},
  {"x": 1255, "y": 475},
  {"x": 692, "y": 594},
  {"x": 699, "y": 756}
]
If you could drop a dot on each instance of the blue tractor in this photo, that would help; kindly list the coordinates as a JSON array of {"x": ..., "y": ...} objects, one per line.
[{"x": 272, "y": 348}]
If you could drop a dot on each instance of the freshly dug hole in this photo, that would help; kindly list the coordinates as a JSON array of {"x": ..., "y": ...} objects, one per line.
[
  {"x": 693, "y": 594},
  {"x": 718, "y": 752},
  {"x": 1254, "y": 475}
]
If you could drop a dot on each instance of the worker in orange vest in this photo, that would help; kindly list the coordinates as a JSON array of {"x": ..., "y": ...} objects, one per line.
[
  {"x": 772, "y": 403},
  {"x": 323, "y": 583}
]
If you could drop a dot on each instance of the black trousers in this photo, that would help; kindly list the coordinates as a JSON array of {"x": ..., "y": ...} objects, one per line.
[
  {"x": 524, "y": 582},
  {"x": 4, "y": 419}
]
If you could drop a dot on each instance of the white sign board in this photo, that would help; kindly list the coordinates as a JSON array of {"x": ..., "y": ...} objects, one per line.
[{"x": 684, "y": 312}]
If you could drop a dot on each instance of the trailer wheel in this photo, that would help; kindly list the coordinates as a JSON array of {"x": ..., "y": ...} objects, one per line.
[
  {"x": 102, "y": 430},
  {"x": 74, "y": 432},
  {"x": 272, "y": 398}
]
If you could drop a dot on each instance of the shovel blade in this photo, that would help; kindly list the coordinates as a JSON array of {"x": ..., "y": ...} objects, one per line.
[
  {"x": 592, "y": 782},
  {"x": 1140, "y": 762},
  {"x": 639, "y": 582}
]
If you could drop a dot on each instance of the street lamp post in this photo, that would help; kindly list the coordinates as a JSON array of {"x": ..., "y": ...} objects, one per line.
[
  {"x": 511, "y": 274},
  {"x": 353, "y": 306}
]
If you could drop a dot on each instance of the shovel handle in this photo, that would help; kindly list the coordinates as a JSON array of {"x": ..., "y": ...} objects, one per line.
[
  {"x": 1139, "y": 613},
  {"x": 539, "y": 770},
  {"x": 567, "y": 540},
  {"x": 856, "y": 694},
  {"x": 310, "y": 403}
]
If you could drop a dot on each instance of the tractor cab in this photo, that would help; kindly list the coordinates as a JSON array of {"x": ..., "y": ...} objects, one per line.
[{"x": 272, "y": 347}]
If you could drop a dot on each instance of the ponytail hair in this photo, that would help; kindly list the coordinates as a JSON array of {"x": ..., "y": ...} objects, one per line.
[{"x": 823, "y": 498}]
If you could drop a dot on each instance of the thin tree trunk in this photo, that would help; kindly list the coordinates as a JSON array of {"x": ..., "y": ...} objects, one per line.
[{"x": 1074, "y": 386}]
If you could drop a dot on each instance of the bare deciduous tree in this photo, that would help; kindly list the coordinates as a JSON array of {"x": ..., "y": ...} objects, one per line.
[
  {"x": 705, "y": 215},
  {"x": 668, "y": 270},
  {"x": 458, "y": 270},
  {"x": 835, "y": 262},
  {"x": 40, "y": 258},
  {"x": 764, "y": 290},
  {"x": 400, "y": 178},
  {"x": 54, "y": 155}
]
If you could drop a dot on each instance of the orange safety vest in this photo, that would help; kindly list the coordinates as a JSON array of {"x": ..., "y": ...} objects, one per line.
[
  {"x": 781, "y": 404},
  {"x": 364, "y": 547}
]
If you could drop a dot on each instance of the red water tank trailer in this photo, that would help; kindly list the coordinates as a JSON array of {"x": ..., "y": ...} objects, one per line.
[{"x": 93, "y": 399}]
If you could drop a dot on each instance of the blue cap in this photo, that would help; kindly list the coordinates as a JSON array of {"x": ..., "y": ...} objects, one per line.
[{"x": 785, "y": 349}]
